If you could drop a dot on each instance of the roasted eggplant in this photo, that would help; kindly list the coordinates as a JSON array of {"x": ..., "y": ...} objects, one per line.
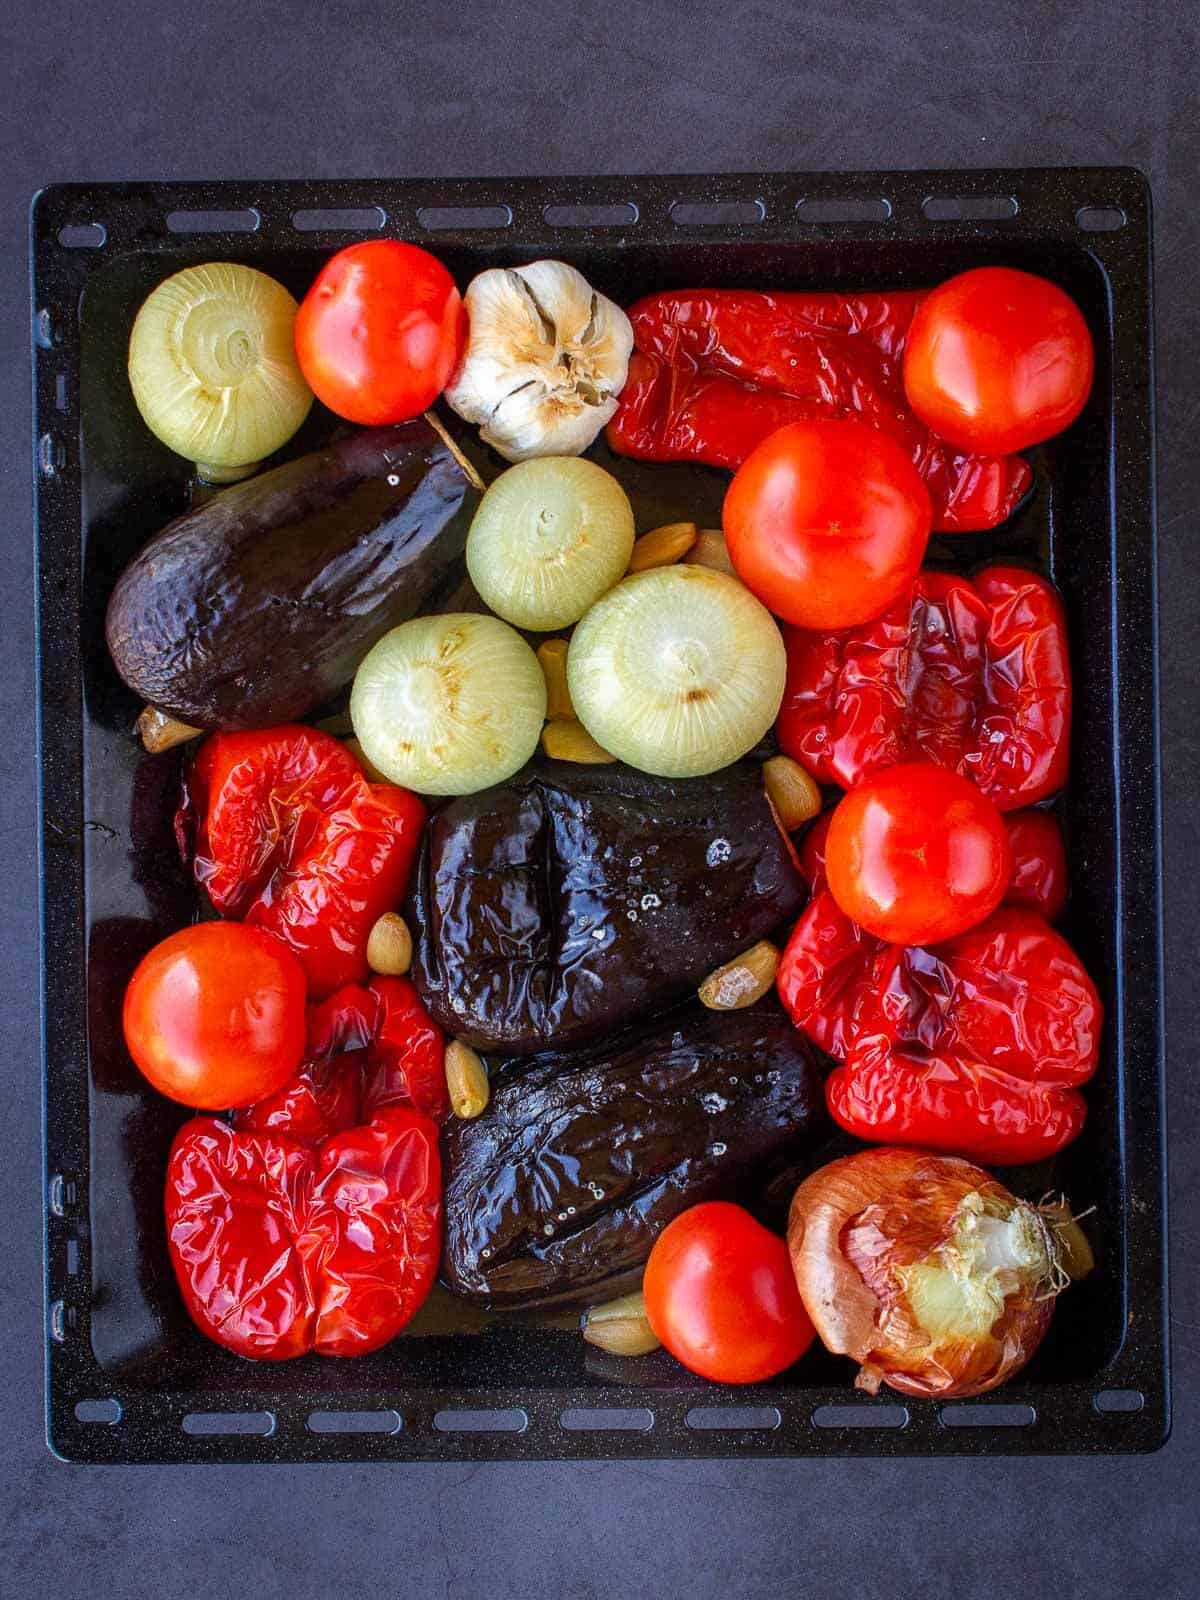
[
  {"x": 258, "y": 605},
  {"x": 567, "y": 902},
  {"x": 557, "y": 1192}
]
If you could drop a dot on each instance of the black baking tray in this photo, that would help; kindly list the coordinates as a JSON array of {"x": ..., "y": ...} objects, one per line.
[{"x": 128, "y": 1378}]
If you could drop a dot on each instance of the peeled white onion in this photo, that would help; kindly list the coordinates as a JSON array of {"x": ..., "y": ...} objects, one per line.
[
  {"x": 678, "y": 671},
  {"x": 449, "y": 704},
  {"x": 213, "y": 367},
  {"x": 550, "y": 537}
]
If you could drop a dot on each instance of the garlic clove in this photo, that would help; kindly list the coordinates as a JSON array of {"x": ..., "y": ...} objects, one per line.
[{"x": 545, "y": 360}]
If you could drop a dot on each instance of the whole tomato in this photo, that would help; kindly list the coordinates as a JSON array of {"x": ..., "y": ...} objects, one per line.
[
  {"x": 721, "y": 1296},
  {"x": 214, "y": 1015},
  {"x": 997, "y": 360},
  {"x": 917, "y": 854},
  {"x": 380, "y": 331},
  {"x": 827, "y": 522}
]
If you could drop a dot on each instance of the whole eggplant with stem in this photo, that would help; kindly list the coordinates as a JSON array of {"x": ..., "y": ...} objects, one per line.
[{"x": 257, "y": 606}]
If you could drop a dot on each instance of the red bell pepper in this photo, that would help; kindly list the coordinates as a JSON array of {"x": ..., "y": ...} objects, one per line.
[
  {"x": 281, "y": 1247},
  {"x": 368, "y": 1049},
  {"x": 976, "y": 1046},
  {"x": 714, "y": 371},
  {"x": 972, "y": 673},
  {"x": 1039, "y": 876},
  {"x": 404, "y": 1062},
  {"x": 290, "y": 836},
  {"x": 1039, "y": 858},
  {"x": 324, "y": 1098}
]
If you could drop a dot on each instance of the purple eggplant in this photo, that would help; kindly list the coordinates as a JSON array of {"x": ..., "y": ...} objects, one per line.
[
  {"x": 573, "y": 899},
  {"x": 257, "y": 606},
  {"x": 556, "y": 1193}
]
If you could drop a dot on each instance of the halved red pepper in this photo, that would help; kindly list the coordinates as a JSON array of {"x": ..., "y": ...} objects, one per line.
[
  {"x": 714, "y": 371},
  {"x": 290, "y": 836},
  {"x": 1039, "y": 860},
  {"x": 977, "y": 1045},
  {"x": 972, "y": 673},
  {"x": 282, "y": 1247}
]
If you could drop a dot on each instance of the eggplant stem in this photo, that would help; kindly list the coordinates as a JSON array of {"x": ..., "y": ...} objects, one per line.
[{"x": 443, "y": 433}]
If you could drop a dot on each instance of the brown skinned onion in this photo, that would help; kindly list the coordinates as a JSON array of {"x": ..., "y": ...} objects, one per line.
[{"x": 925, "y": 1270}]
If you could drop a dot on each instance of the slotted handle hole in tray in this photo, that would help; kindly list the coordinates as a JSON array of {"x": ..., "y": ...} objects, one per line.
[
  {"x": 1118, "y": 1402},
  {"x": 354, "y": 1422},
  {"x": 618, "y": 215},
  {"x": 1100, "y": 219},
  {"x": 82, "y": 235},
  {"x": 860, "y": 1415},
  {"x": 602, "y": 1419},
  {"x": 246, "y": 220},
  {"x": 206, "y": 1424},
  {"x": 509, "y": 1420},
  {"x": 106, "y": 1411},
  {"x": 988, "y": 1416},
  {"x": 969, "y": 207},
  {"x": 437, "y": 219},
  {"x": 355, "y": 219},
  {"x": 817, "y": 211},
  {"x": 717, "y": 213},
  {"x": 706, "y": 1419}
]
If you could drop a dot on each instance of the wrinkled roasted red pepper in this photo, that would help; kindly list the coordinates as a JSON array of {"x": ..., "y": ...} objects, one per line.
[
  {"x": 1039, "y": 858},
  {"x": 975, "y": 1046},
  {"x": 282, "y": 1247},
  {"x": 404, "y": 1060},
  {"x": 1039, "y": 877},
  {"x": 368, "y": 1049},
  {"x": 972, "y": 673},
  {"x": 289, "y": 835},
  {"x": 714, "y": 371}
]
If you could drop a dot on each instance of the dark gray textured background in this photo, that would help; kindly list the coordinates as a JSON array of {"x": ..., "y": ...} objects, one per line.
[{"x": 263, "y": 88}]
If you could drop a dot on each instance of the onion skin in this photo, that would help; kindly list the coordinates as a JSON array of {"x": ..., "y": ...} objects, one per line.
[{"x": 856, "y": 1220}]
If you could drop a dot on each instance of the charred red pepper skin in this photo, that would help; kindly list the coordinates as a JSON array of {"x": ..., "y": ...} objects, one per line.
[
  {"x": 403, "y": 1049},
  {"x": 975, "y": 1046},
  {"x": 324, "y": 1098},
  {"x": 1039, "y": 879},
  {"x": 825, "y": 968},
  {"x": 972, "y": 673},
  {"x": 291, "y": 837},
  {"x": 954, "y": 1105},
  {"x": 281, "y": 1248},
  {"x": 714, "y": 371},
  {"x": 368, "y": 1049},
  {"x": 1039, "y": 859}
]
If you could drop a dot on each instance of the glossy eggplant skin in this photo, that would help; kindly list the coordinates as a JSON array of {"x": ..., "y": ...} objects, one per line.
[
  {"x": 556, "y": 1194},
  {"x": 567, "y": 902},
  {"x": 257, "y": 606}
]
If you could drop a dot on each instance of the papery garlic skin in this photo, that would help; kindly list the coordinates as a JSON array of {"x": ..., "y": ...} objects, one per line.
[{"x": 546, "y": 358}]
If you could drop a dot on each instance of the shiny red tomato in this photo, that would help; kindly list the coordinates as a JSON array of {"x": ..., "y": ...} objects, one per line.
[
  {"x": 997, "y": 360},
  {"x": 214, "y": 1015},
  {"x": 721, "y": 1295},
  {"x": 827, "y": 522},
  {"x": 917, "y": 854},
  {"x": 380, "y": 331}
]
